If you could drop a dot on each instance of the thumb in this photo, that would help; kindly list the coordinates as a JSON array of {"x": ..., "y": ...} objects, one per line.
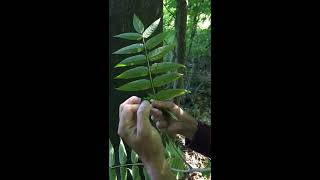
[{"x": 143, "y": 123}]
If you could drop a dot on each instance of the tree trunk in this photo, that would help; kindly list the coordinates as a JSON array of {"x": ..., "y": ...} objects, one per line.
[{"x": 181, "y": 24}]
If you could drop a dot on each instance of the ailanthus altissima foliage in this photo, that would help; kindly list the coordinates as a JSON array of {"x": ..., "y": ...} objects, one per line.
[
  {"x": 146, "y": 71},
  {"x": 143, "y": 62}
]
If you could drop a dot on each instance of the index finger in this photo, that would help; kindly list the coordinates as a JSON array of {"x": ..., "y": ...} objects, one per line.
[{"x": 131, "y": 100}]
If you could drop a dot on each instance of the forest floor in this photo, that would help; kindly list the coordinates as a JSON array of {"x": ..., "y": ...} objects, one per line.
[{"x": 196, "y": 160}]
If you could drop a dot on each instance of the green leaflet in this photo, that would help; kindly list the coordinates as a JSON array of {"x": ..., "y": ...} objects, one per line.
[
  {"x": 160, "y": 52},
  {"x": 157, "y": 68},
  {"x": 145, "y": 173},
  {"x": 137, "y": 24},
  {"x": 135, "y": 173},
  {"x": 111, "y": 154},
  {"x": 122, "y": 153},
  {"x": 134, "y": 157},
  {"x": 123, "y": 173},
  {"x": 169, "y": 94},
  {"x": 137, "y": 85},
  {"x": 156, "y": 40},
  {"x": 129, "y": 36},
  {"x": 165, "y": 79},
  {"x": 133, "y": 48},
  {"x": 151, "y": 29},
  {"x": 174, "y": 160},
  {"x": 140, "y": 71},
  {"x": 112, "y": 174},
  {"x": 133, "y": 60}
]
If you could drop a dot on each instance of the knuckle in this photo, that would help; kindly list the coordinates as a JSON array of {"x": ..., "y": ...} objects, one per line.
[
  {"x": 120, "y": 132},
  {"x": 126, "y": 108}
]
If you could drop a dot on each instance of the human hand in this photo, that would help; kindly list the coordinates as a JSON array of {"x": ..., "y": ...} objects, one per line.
[
  {"x": 186, "y": 125},
  {"x": 137, "y": 131}
]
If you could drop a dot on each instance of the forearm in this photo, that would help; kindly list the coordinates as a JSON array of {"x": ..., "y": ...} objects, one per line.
[{"x": 159, "y": 169}]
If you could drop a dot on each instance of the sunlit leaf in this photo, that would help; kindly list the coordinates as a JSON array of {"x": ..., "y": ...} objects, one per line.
[
  {"x": 112, "y": 174},
  {"x": 123, "y": 173},
  {"x": 133, "y": 60},
  {"x": 122, "y": 153},
  {"x": 157, "y": 68},
  {"x": 160, "y": 52},
  {"x": 165, "y": 79},
  {"x": 137, "y": 24},
  {"x": 133, "y": 48},
  {"x": 140, "y": 71},
  {"x": 129, "y": 36},
  {"x": 134, "y": 157},
  {"x": 169, "y": 94},
  {"x": 156, "y": 40},
  {"x": 138, "y": 85},
  {"x": 111, "y": 154},
  {"x": 151, "y": 29},
  {"x": 135, "y": 173}
]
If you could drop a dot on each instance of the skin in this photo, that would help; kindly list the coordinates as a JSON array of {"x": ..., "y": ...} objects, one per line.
[{"x": 138, "y": 133}]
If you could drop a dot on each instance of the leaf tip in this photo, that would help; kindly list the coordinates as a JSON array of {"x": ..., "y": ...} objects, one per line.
[{"x": 119, "y": 65}]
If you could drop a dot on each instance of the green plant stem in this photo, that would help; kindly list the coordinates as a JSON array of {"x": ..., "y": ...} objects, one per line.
[
  {"x": 149, "y": 68},
  {"x": 125, "y": 165},
  {"x": 173, "y": 169},
  {"x": 191, "y": 170}
]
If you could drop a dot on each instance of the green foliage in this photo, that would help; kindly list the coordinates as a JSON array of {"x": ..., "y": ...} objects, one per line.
[
  {"x": 134, "y": 157},
  {"x": 112, "y": 172},
  {"x": 169, "y": 94},
  {"x": 129, "y": 36},
  {"x": 147, "y": 58},
  {"x": 165, "y": 79},
  {"x": 160, "y": 52},
  {"x": 122, "y": 153},
  {"x": 137, "y": 24},
  {"x": 133, "y": 48},
  {"x": 156, "y": 40},
  {"x": 144, "y": 72},
  {"x": 135, "y": 173},
  {"x": 174, "y": 158},
  {"x": 137, "y": 85},
  {"x": 151, "y": 29},
  {"x": 133, "y": 60},
  {"x": 140, "y": 71}
]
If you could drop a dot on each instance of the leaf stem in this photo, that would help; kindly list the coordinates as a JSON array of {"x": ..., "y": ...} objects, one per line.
[
  {"x": 125, "y": 165},
  {"x": 173, "y": 169},
  {"x": 149, "y": 68},
  {"x": 191, "y": 170}
]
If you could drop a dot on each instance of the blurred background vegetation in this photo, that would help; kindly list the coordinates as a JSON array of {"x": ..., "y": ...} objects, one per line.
[
  {"x": 197, "y": 77},
  {"x": 197, "y": 58}
]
